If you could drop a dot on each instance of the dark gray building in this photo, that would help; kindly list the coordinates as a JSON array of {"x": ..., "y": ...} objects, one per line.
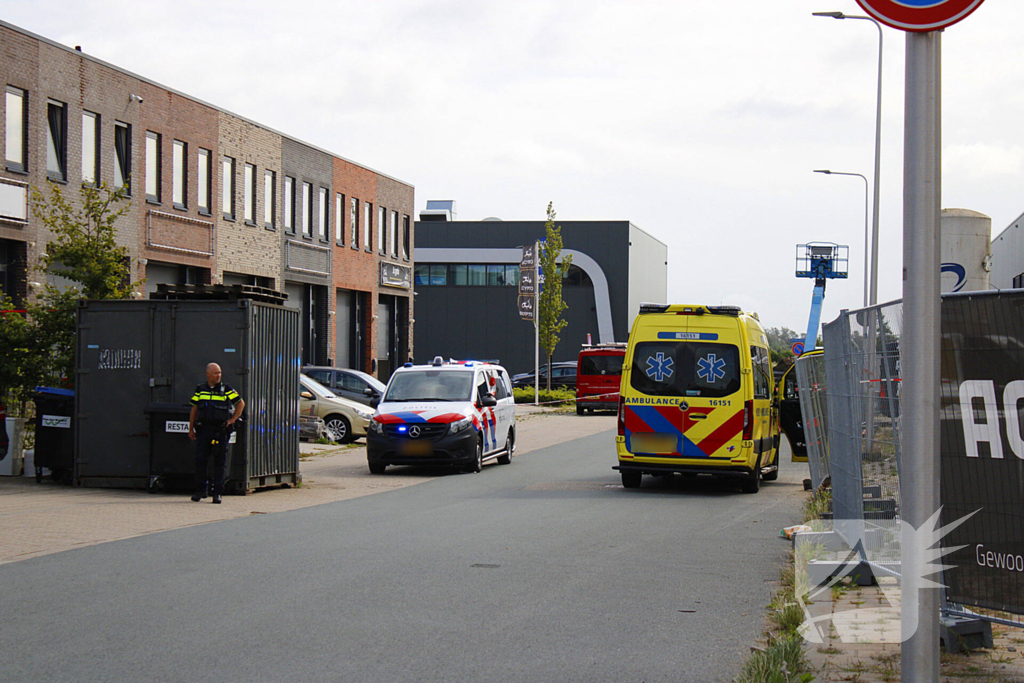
[{"x": 467, "y": 275}]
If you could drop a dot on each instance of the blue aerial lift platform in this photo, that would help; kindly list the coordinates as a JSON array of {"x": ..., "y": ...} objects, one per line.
[{"x": 822, "y": 261}]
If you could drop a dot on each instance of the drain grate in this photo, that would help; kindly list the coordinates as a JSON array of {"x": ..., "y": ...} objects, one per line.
[{"x": 485, "y": 566}]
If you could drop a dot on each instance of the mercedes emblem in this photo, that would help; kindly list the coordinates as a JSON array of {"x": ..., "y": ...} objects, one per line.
[{"x": 414, "y": 432}]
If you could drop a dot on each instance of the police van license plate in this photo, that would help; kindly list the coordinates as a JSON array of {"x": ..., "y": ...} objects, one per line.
[
  {"x": 653, "y": 443},
  {"x": 416, "y": 448}
]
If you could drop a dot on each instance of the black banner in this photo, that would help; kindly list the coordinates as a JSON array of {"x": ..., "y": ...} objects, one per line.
[{"x": 982, "y": 451}]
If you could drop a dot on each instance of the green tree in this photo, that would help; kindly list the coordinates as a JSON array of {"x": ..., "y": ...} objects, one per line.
[
  {"x": 37, "y": 347},
  {"x": 550, "y": 304},
  {"x": 779, "y": 342},
  {"x": 84, "y": 249}
]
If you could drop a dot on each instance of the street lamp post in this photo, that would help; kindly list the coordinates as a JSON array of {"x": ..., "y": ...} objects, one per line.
[
  {"x": 866, "y": 268},
  {"x": 873, "y": 295}
]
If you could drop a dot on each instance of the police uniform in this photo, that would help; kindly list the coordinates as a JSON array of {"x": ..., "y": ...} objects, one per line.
[{"x": 214, "y": 407}]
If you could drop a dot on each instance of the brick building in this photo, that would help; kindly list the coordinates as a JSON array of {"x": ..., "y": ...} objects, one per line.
[{"x": 215, "y": 198}]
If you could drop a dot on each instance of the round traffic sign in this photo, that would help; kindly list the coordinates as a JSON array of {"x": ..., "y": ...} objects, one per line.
[
  {"x": 919, "y": 15},
  {"x": 798, "y": 348}
]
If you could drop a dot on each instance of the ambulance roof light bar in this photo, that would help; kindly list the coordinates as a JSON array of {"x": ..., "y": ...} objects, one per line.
[{"x": 680, "y": 309}]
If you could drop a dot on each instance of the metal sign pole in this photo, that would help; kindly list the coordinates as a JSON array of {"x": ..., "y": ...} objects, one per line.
[
  {"x": 536, "y": 324},
  {"x": 920, "y": 349}
]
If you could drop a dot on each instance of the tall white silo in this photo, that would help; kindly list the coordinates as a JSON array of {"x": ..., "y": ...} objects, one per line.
[{"x": 966, "y": 250}]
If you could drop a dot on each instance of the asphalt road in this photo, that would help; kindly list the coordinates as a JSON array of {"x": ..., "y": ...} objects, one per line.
[{"x": 542, "y": 570}]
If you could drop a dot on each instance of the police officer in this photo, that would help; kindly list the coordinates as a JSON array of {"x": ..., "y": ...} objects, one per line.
[{"x": 215, "y": 408}]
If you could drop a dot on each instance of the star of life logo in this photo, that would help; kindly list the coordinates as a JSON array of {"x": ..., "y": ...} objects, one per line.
[
  {"x": 711, "y": 368},
  {"x": 659, "y": 368},
  {"x": 833, "y": 560}
]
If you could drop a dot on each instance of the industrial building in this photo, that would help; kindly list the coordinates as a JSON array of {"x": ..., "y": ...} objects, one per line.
[
  {"x": 467, "y": 274},
  {"x": 215, "y": 198}
]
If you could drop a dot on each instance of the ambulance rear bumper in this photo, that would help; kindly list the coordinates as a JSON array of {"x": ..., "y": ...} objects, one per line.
[{"x": 723, "y": 470}]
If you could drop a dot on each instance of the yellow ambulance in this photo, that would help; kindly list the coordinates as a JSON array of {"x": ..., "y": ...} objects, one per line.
[{"x": 697, "y": 396}]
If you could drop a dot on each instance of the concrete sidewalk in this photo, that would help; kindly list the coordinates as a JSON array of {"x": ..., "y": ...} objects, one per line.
[{"x": 38, "y": 519}]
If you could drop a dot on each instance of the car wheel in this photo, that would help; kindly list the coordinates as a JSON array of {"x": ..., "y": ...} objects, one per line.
[
  {"x": 579, "y": 409},
  {"x": 339, "y": 428},
  {"x": 478, "y": 461},
  {"x": 377, "y": 468},
  {"x": 752, "y": 483},
  {"x": 631, "y": 479},
  {"x": 507, "y": 458}
]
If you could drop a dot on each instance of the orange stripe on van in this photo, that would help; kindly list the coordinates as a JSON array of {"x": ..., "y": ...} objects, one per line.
[{"x": 721, "y": 436}]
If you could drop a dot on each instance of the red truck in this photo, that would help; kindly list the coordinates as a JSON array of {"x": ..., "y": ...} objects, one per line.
[{"x": 598, "y": 373}]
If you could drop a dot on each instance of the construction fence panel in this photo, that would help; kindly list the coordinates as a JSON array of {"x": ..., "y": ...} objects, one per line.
[
  {"x": 842, "y": 370},
  {"x": 812, "y": 391},
  {"x": 982, "y": 451}
]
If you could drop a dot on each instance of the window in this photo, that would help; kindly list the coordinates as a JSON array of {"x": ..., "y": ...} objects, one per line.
[
  {"x": 15, "y": 130},
  {"x": 204, "y": 181},
  {"x": 512, "y": 276},
  {"x": 382, "y": 245},
  {"x": 476, "y": 275},
  {"x": 760, "y": 360},
  {"x": 339, "y": 215},
  {"x": 179, "y": 174},
  {"x": 322, "y": 376},
  {"x": 421, "y": 274},
  {"x": 269, "y": 199},
  {"x": 123, "y": 156},
  {"x": 57, "y": 140},
  {"x": 152, "y": 166},
  {"x": 700, "y": 370},
  {"x": 393, "y": 236},
  {"x": 227, "y": 187},
  {"x": 325, "y": 215},
  {"x": 495, "y": 275},
  {"x": 1018, "y": 281},
  {"x": 353, "y": 217},
  {"x": 406, "y": 236},
  {"x": 289, "y": 204},
  {"x": 307, "y": 210},
  {"x": 368, "y": 226},
  {"x": 249, "y": 194},
  {"x": 90, "y": 148},
  {"x": 458, "y": 274}
]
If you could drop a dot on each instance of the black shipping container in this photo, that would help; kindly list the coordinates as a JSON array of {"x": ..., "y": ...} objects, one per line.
[{"x": 133, "y": 354}]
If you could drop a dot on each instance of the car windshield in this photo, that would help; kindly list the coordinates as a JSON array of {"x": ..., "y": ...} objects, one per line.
[
  {"x": 312, "y": 385},
  {"x": 430, "y": 385}
]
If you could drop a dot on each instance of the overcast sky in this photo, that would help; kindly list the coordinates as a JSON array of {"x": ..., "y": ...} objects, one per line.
[{"x": 700, "y": 122}]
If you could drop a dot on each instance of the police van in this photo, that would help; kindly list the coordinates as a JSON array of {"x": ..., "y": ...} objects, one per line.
[
  {"x": 456, "y": 413},
  {"x": 697, "y": 396}
]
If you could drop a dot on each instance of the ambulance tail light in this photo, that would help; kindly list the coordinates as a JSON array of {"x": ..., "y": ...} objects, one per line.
[
  {"x": 622, "y": 416},
  {"x": 748, "y": 420}
]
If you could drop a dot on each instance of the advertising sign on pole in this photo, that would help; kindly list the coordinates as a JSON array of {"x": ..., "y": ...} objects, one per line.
[
  {"x": 919, "y": 16},
  {"x": 527, "y": 284},
  {"x": 526, "y": 307},
  {"x": 527, "y": 262}
]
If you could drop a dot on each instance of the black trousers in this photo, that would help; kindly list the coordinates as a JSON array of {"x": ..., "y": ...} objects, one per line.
[{"x": 211, "y": 441}]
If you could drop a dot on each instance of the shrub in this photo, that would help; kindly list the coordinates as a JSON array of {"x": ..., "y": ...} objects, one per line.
[{"x": 525, "y": 395}]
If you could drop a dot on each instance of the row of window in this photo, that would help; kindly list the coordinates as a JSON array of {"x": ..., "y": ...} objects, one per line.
[
  {"x": 490, "y": 275},
  {"x": 312, "y": 215}
]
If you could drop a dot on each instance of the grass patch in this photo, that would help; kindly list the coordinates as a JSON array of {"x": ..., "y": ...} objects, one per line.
[
  {"x": 819, "y": 504},
  {"x": 782, "y": 661}
]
